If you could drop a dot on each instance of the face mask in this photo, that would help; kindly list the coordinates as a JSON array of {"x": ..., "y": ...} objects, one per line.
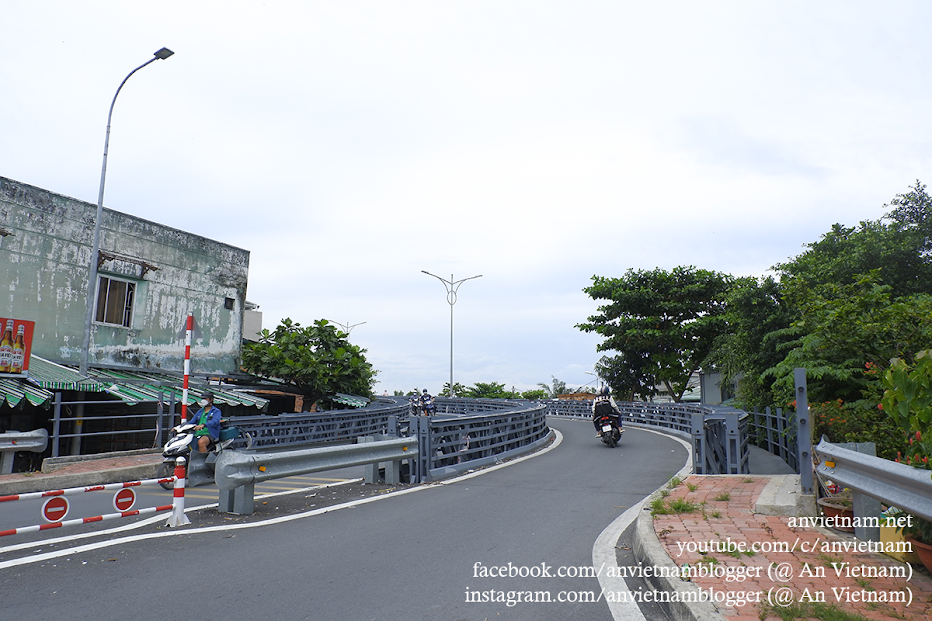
[{"x": 203, "y": 403}]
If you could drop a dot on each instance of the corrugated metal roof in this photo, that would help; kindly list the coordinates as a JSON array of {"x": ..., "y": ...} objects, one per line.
[
  {"x": 13, "y": 391},
  {"x": 144, "y": 386},
  {"x": 352, "y": 400},
  {"x": 131, "y": 387},
  {"x": 51, "y": 376}
]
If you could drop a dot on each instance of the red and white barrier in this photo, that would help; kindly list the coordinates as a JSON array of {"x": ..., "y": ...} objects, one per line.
[
  {"x": 188, "y": 329},
  {"x": 178, "y": 518},
  {"x": 56, "y": 507}
]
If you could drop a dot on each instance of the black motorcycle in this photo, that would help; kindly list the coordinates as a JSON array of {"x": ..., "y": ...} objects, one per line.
[{"x": 611, "y": 432}]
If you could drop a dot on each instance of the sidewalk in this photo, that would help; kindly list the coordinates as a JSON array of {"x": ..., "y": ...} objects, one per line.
[
  {"x": 83, "y": 471},
  {"x": 733, "y": 513}
]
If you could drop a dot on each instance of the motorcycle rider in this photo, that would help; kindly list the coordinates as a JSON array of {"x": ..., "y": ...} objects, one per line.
[
  {"x": 427, "y": 403},
  {"x": 207, "y": 418},
  {"x": 604, "y": 405}
]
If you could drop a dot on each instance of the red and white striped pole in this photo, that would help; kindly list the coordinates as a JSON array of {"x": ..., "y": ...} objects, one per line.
[
  {"x": 178, "y": 518},
  {"x": 188, "y": 328}
]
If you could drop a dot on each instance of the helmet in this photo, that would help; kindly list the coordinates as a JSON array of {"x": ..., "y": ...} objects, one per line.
[
  {"x": 604, "y": 391},
  {"x": 425, "y": 391}
]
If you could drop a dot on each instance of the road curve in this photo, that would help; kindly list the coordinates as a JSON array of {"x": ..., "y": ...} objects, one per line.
[{"x": 435, "y": 554}]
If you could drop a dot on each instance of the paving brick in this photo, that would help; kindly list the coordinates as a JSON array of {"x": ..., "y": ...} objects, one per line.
[{"x": 809, "y": 570}]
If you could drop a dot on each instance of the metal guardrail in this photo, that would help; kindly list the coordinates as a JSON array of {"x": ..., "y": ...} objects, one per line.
[
  {"x": 449, "y": 446},
  {"x": 774, "y": 430},
  {"x": 237, "y": 472},
  {"x": 321, "y": 427},
  {"x": 718, "y": 434},
  {"x": 12, "y": 441},
  {"x": 897, "y": 485}
]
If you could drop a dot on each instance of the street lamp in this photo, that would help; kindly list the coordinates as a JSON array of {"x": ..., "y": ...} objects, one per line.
[
  {"x": 347, "y": 327},
  {"x": 162, "y": 54},
  {"x": 451, "y": 286}
]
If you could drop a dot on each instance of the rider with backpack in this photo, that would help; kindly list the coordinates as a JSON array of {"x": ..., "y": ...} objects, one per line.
[{"x": 604, "y": 405}]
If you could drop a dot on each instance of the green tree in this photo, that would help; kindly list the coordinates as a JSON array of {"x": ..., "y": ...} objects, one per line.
[
  {"x": 662, "y": 324},
  {"x": 908, "y": 401},
  {"x": 898, "y": 249},
  {"x": 318, "y": 360},
  {"x": 757, "y": 318},
  {"x": 491, "y": 390},
  {"x": 843, "y": 329},
  {"x": 535, "y": 395},
  {"x": 556, "y": 388},
  {"x": 458, "y": 390}
]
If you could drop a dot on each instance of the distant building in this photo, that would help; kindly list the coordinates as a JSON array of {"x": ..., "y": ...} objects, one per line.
[{"x": 150, "y": 277}]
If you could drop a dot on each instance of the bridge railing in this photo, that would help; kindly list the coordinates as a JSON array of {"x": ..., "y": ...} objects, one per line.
[
  {"x": 322, "y": 427},
  {"x": 449, "y": 446},
  {"x": 719, "y": 435}
]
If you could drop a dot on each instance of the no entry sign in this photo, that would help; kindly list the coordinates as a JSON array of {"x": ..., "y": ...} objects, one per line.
[
  {"x": 124, "y": 500},
  {"x": 55, "y": 509}
]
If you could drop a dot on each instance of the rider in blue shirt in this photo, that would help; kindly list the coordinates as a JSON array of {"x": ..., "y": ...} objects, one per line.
[
  {"x": 207, "y": 418},
  {"x": 427, "y": 403}
]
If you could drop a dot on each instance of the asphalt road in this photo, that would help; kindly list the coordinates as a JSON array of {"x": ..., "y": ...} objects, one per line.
[{"x": 435, "y": 552}]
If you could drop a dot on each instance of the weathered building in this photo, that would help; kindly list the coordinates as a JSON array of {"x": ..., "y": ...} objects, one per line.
[{"x": 150, "y": 277}]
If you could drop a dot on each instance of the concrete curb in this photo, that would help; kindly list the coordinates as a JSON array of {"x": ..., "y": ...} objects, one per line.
[
  {"x": 48, "y": 482},
  {"x": 649, "y": 552},
  {"x": 52, "y": 464},
  {"x": 783, "y": 497},
  {"x": 780, "y": 497}
]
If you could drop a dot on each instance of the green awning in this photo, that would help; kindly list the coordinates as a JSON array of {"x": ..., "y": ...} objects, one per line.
[
  {"x": 44, "y": 379},
  {"x": 13, "y": 391},
  {"x": 51, "y": 376},
  {"x": 351, "y": 400},
  {"x": 131, "y": 387},
  {"x": 134, "y": 387}
]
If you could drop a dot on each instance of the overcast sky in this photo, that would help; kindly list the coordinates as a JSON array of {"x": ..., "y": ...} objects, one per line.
[{"x": 349, "y": 145}]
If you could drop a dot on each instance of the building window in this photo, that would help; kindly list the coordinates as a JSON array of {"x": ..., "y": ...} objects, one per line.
[
  {"x": 228, "y": 303},
  {"x": 115, "y": 301}
]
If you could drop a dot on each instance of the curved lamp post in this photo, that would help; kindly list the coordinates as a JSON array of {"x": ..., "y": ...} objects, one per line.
[
  {"x": 451, "y": 286},
  {"x": 162, "y": 54}
]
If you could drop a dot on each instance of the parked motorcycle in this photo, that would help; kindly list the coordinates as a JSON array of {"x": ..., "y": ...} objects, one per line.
[
  {"x": 611, "y": 432},
  {"x": 182, "y": 443}
]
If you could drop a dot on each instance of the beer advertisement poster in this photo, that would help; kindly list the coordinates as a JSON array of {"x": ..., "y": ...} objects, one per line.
[{"x": 15, "y": 346}]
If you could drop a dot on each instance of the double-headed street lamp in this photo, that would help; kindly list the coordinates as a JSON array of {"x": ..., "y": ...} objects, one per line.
[
  {"x": 162, "y": 54},
  {"x": 451, "y": 286},
  {"x": 347, "y": 327}
]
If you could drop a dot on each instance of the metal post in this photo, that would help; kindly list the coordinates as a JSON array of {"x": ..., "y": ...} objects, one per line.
[
  {"x": 803, "y": 432},
  {"x": 863, "y": 505},
  {"x": 56, "y": 424},
  {"x": 370, "y": 471},
  {"x": 95, "y": 246},
  {"x": 160, "y": 409},
  {"x": 452, "y": 286},
  {"x": 78, "y": 425}
]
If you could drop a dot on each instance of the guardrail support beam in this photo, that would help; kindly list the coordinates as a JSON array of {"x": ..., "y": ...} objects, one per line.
[
  {"x": 803, "y": 432},
  {"x": 239, "y": 500}
]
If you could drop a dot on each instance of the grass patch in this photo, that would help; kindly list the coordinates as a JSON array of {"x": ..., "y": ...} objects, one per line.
[
  {"x": 660, "y": 506},
  {"x": 810, "y": 610},
  {"x": 674, "y": 482},
  {"x": 829, "y": 560},
  {"x": 692, "y": 487},
  {"x": 724, "y": 496}
]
